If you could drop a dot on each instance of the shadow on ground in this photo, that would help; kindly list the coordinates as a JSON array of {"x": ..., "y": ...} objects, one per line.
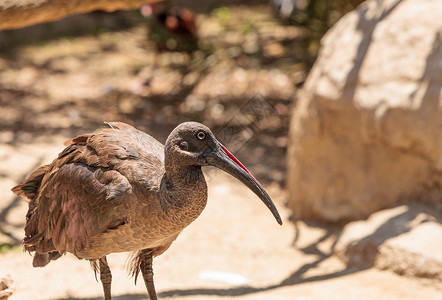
[{"x": 296, "y": 278}]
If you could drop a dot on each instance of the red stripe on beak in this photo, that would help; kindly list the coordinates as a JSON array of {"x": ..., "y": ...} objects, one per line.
[{"x": 232, "y": 157}]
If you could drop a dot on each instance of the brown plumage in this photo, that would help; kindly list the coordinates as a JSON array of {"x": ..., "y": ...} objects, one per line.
[{"x": 118, "y": 189}]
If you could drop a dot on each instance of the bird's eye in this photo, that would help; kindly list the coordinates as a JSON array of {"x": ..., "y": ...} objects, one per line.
[{"x": 201, "y": 135}]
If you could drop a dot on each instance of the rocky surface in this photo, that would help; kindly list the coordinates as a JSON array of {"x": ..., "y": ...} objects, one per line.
[
  {"x": 365, "y": 132},
  {"x": 405, "y": 239}
]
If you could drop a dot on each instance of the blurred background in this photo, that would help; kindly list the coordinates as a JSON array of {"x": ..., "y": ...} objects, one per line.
[{"x": 333, "y": 105}]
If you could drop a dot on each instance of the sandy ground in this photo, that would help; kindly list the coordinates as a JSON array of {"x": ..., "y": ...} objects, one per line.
[{"x": 235, "y": 234}]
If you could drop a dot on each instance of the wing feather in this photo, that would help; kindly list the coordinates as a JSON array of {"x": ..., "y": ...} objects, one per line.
[{"x": 74, "y": 206}]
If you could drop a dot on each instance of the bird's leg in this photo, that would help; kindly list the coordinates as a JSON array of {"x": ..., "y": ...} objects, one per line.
[
  {"x": 146, "y": 270},
  {"x": 106, "y": 278}
]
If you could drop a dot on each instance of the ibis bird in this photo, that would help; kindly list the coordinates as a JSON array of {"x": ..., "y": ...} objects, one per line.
[{"x": 118, "y": 189}]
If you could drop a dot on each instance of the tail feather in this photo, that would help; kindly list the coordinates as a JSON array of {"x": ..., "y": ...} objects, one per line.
[
  {"x": 95, "y": 267},
  {"x": 30, "y": 186},
  {"x": 81, "y": 139},
  {"x": 41, "y": 260},
  {"x": 37, "y": 240},
  {"x": 34, "y": 241},
  {"x": 134, "y": 265}
]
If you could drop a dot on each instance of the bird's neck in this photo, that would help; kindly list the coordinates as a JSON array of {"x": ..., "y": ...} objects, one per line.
[{"x": 184, "y": 191}]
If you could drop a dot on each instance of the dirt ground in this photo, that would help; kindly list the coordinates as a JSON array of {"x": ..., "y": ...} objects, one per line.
[
  {"x": 235, "y": 234},
  {"x": 65, "y": 78}
]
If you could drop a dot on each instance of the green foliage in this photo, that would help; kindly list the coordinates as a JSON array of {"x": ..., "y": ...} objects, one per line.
[
  {"x": 222, "y": 14},
  {"x": 317, "y": 17},
  {"x": 247, "y": 27},
  {"x": 7, "y": 247},
  {"x": 8, "y": 243},
  {"x": 322, "y": 14}
]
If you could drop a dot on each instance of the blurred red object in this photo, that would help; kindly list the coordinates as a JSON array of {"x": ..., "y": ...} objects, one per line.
[{"x": 176, "y": 20}]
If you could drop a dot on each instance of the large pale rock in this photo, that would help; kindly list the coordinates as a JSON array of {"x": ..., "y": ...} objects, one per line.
[
  {"x": 367, "y": 129},
  {"x": 405, "y": 239}
]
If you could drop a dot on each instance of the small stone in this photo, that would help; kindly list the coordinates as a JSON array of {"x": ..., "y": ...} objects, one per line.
[
  {"x": 6, "y": 286},
  {"x": 224, "y": 277}
]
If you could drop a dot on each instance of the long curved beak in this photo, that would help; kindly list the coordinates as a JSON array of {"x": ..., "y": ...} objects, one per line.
[{"x": 226, "y": 161}]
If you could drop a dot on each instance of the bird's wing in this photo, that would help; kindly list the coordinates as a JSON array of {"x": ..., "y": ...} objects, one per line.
[
  {"x": 131, "y": 152},
  {"x": 76, "y": 204},
  {"x": 86, "y": 190}
]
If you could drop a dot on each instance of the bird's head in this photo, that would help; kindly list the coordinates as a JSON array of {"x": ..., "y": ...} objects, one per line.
[{"x": 194, "y": 144}]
